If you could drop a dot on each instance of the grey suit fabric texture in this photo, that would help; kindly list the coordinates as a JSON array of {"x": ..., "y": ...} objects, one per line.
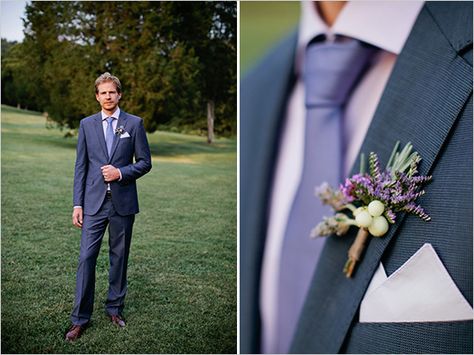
[
  {"x": 117, "y": 212},
  {"x": 427, "y": 101}
]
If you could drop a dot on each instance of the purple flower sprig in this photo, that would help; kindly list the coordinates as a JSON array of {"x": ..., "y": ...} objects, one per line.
[
  {"x": 374, "y": 198},
  {"x": 397, "y": 187}
]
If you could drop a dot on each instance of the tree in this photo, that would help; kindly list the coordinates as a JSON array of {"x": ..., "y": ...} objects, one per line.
[
  {"x": 210, "y": 28},
  {"x": 171, "y": 57}
]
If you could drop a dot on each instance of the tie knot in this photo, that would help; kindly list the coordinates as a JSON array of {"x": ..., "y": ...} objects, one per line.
[
  {"x": 109, "y": 119},
  {"x": 331, "y": 70}
]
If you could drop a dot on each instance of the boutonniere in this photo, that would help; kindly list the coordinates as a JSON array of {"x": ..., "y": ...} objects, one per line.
[
  {"x": 119, "y": 130},
  {"x": 373, "y": 198}
]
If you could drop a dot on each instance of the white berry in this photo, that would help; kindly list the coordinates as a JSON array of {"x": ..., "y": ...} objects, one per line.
[
  {"x": 363, "y": 218},
  {"x": 379, "y": 226},
  {"x": 358, "y": 210},
  {"x": 376, "y": 208}
]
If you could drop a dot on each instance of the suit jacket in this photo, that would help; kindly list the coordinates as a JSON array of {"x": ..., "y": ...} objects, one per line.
[
  {"x": 89, "y": 184},
  {"x": 428, "y": 101}
]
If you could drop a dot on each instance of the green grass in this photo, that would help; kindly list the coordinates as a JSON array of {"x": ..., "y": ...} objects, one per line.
[
  {"x": 262, "y": 25},
  {"x": 182, "y": 269}
]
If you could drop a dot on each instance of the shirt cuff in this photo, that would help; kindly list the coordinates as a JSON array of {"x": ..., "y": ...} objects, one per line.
[
  {"x": 120, "y": 178},
  {"x": 77, "y": 206}
]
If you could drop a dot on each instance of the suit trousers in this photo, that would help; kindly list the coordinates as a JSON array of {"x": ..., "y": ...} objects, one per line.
[{"x": 120, "y": 235}]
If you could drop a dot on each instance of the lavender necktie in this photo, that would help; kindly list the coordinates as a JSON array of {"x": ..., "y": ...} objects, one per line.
[
  {"x": 331, "y": 70},
  {"x": 109, "y": 135}
]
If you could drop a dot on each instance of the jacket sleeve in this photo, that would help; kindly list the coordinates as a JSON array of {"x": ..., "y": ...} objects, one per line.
[
  {"x": 142, "y": 163},
  {"x": 80, "y": 170}
]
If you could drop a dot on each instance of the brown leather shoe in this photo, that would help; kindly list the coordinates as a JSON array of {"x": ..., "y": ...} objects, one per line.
[
  {"x": 117, "y": 320},
  {"x": 74, "y": 332}
]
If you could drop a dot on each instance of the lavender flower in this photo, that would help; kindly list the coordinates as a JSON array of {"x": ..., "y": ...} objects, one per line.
[
  {"x": 417, "y": 210},
  {"x": 390, "y": 215},
  {"x": 396, "y": 187},
  {"x": 374, "y": 198},
  {"x": 374, "y": 167},
  {"x": 348, "y": 190}
]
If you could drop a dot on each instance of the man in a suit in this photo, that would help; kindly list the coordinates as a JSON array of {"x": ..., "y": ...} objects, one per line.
[
  {"x": 415, "y": 87},
  {"x": 105, "y": 194}
]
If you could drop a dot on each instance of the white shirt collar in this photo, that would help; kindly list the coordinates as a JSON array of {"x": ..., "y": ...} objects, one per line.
[
  {"x": 116, "y": 114},
  {"x": 384, "y": 24}
]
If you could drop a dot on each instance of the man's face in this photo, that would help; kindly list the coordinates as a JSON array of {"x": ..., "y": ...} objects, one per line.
[{"x": 108, "y": 96}]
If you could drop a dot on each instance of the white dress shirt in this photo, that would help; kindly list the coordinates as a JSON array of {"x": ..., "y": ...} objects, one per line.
[
  {"x": 384, "y": 24},
  {"x": 115, "y": 115}
]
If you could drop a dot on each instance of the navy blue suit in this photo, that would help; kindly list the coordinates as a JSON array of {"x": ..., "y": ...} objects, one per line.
[
  {"x": 89, "y": 185},
  {"x": 428, "y": 101},
  {"x": 117, "y": 212}
]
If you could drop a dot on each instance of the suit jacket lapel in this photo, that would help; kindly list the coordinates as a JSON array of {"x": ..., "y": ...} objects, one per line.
[
  {"x": 421, "y": 102},
  {"x": 121, "y": 122},
  {"x": 260, "y": 128},
  {"x": 99, "y": 130}
]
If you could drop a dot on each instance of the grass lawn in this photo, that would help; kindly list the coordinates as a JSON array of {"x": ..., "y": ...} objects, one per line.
[{"x": 182, "y": 268}]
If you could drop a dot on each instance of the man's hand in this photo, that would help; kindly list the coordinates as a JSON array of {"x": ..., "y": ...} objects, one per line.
[
  {"x": 110, "y": 173},
  {"x": 77, "y": 217}
]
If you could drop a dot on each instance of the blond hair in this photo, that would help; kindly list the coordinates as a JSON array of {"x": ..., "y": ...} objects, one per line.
[{"x": 108, "y": 77}]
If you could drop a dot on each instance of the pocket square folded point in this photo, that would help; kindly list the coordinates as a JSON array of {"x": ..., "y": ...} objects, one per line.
[{"x": 421, "y": 290}]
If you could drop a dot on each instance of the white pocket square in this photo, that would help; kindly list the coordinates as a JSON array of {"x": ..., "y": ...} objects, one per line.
[
  {"x": 421, "y": 290},
  {"x": 125, "y": 135}
]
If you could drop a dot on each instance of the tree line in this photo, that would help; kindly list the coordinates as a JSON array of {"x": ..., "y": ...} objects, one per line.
[{"x": 176, "y": 61}]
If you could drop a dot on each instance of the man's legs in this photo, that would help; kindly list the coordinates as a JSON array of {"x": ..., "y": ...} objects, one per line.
[
  {"x": 120, "y": 236},
  {"x": 93, "y": 230}
]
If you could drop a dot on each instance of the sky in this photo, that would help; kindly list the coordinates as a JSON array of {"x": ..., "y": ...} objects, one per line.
[{"x": 11, "y": 25}]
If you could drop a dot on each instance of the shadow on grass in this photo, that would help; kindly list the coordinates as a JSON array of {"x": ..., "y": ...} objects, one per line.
[
  {"x": 163, "y": 148},
  {"x": 62, "y": 142},
  {"x": 162, "y": 144},
  {"x": 44, "y": 140}
]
